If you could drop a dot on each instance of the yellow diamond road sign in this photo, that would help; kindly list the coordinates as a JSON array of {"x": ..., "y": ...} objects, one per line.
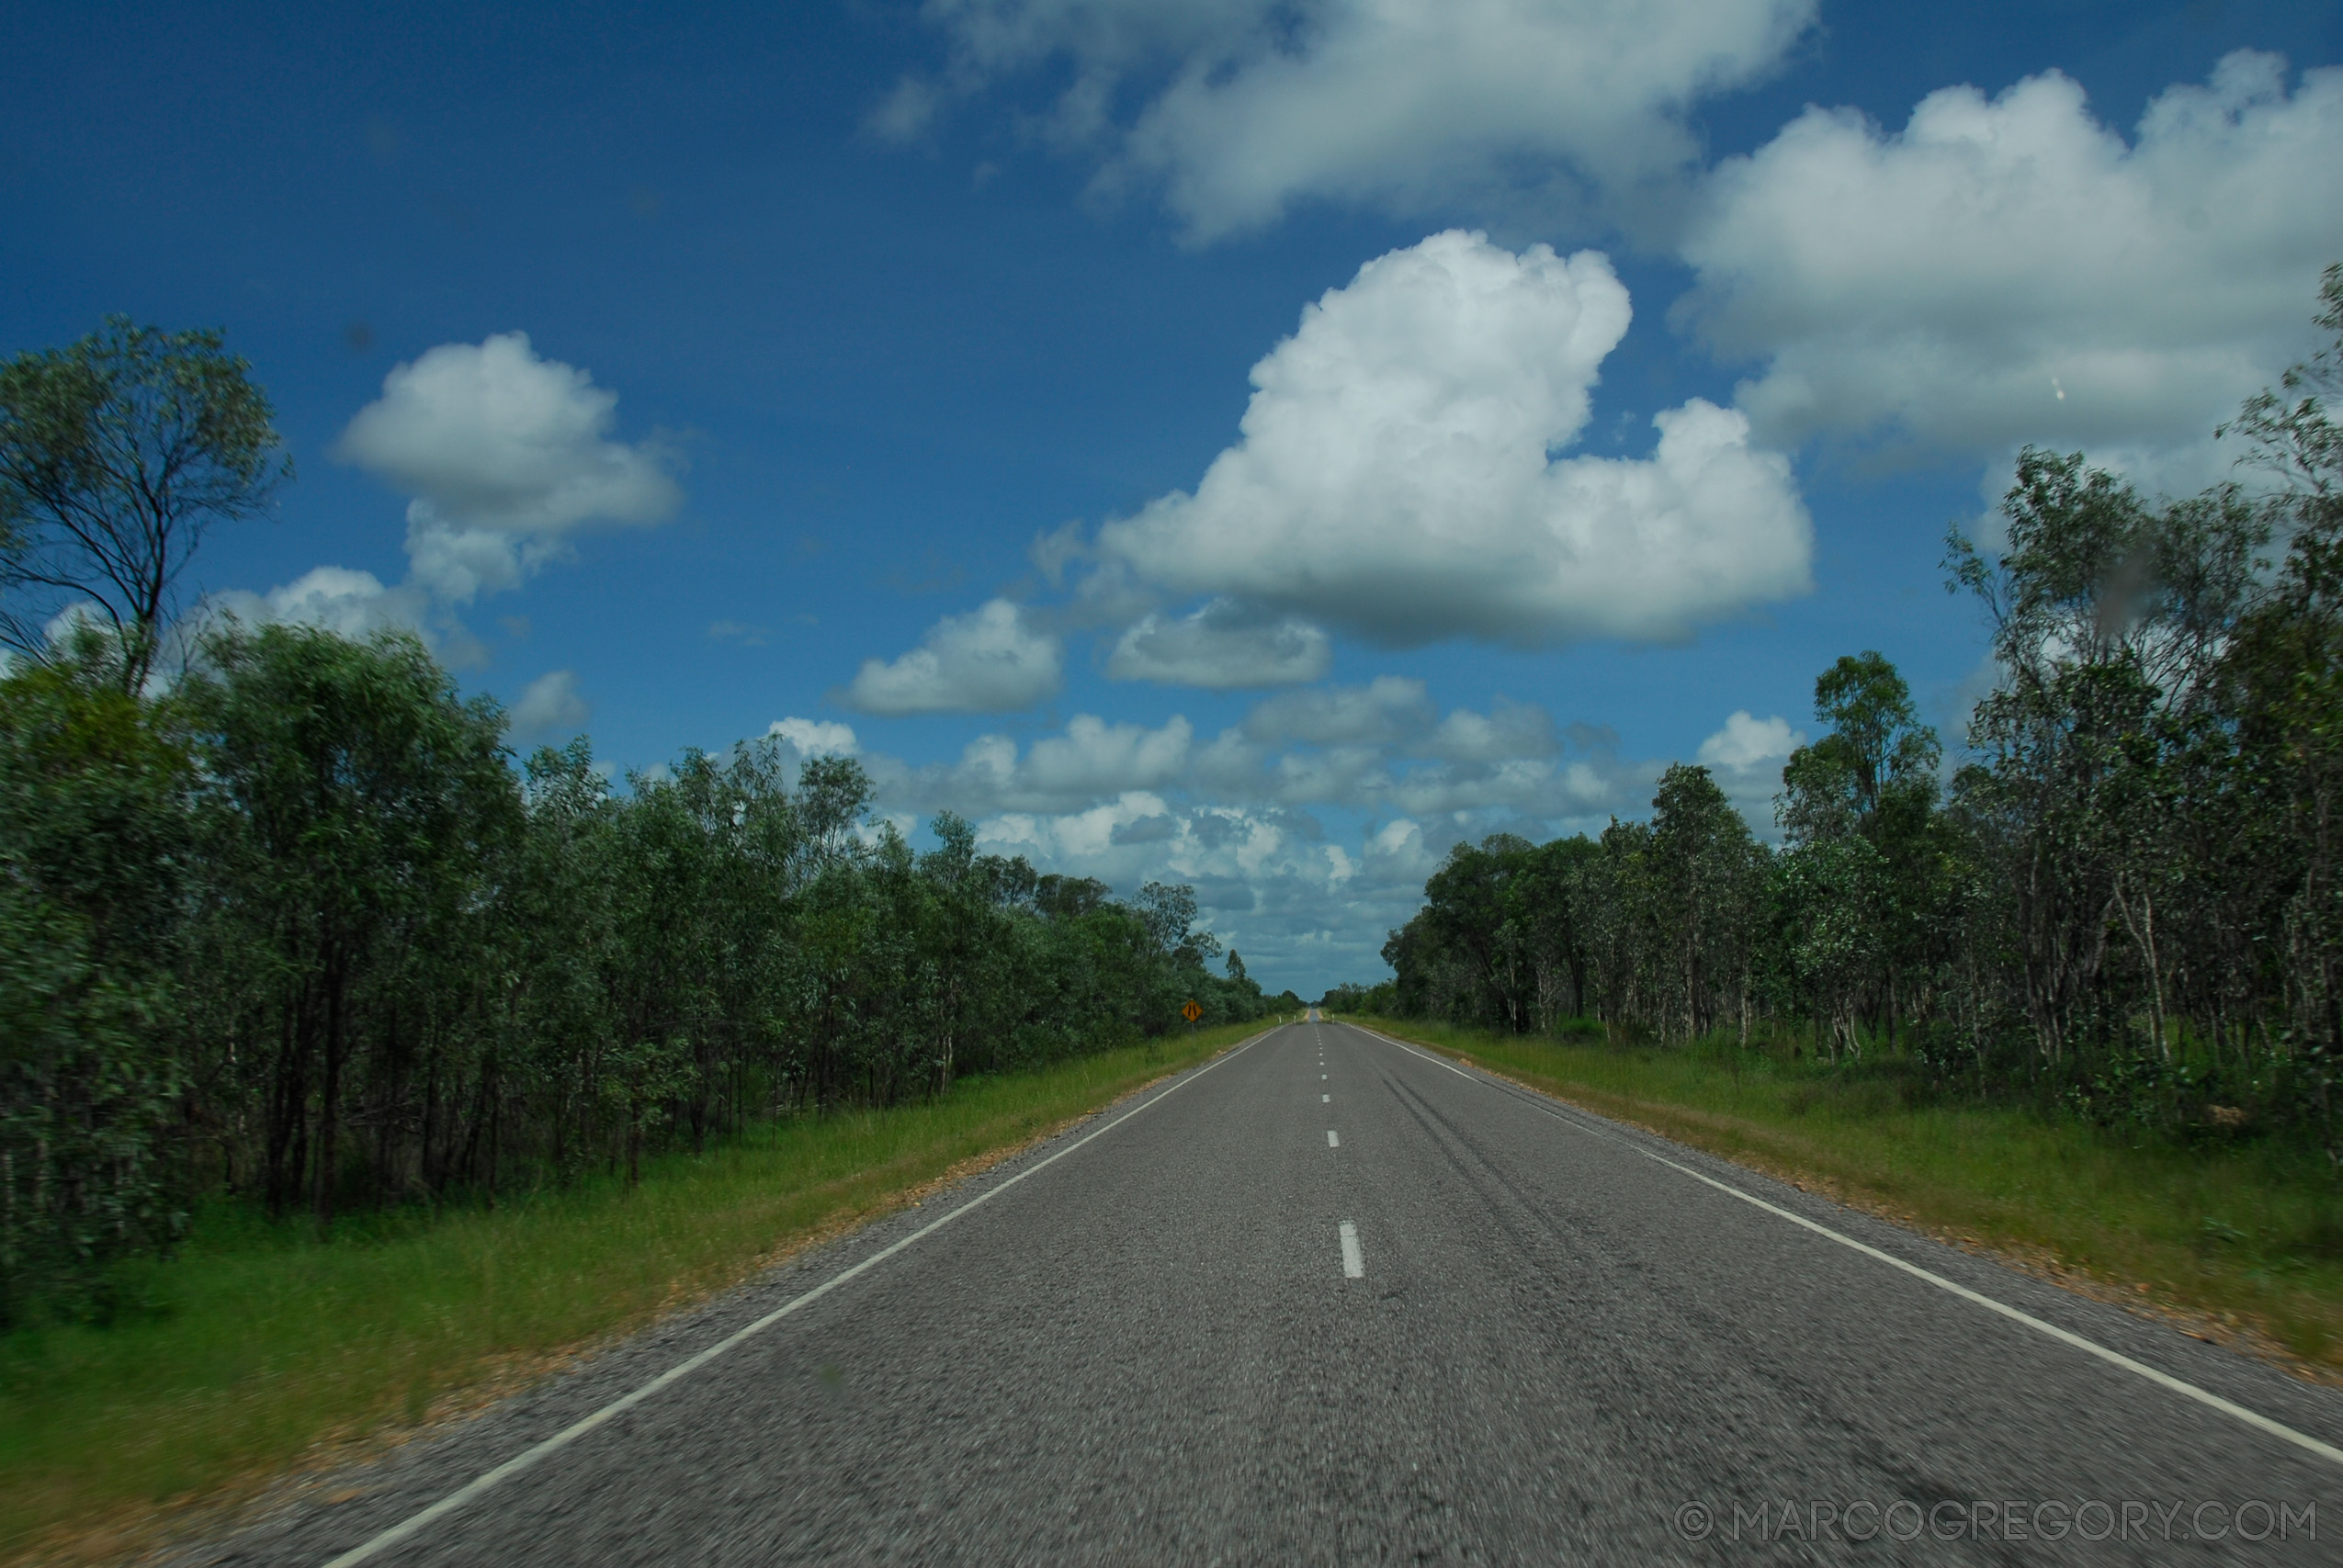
[{"x": 1192, "y": 1012}]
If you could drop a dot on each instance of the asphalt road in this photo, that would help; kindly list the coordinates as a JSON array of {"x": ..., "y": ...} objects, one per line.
[{"x": 1333, "y": 1299}]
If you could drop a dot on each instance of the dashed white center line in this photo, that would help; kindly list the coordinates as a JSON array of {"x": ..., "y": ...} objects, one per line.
[
  {"x": 1332, "y": 1141},
  {"x": 1326, "y": 1100},
  {"x": 1353, "y": 1261}
]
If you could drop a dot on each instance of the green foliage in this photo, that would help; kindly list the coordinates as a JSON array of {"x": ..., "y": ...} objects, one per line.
[
  {"x": 299, "y": 934},
  {"x": 94, "y": 825}
]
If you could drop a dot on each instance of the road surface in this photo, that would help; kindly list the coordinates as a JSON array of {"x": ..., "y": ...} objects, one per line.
[{"x": 1332, "y": 1298}]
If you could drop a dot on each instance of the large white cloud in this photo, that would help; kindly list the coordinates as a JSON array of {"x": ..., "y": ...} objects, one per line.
[
  {"x": 988, "y": 660},
  {"x": 1396, "y": 475},
  {"x": 2011, "y": 269},
  {"x": 505, "y": 456},
  {"x": 1220, "y": 646},
  {"x": 1402, "y": 104}
]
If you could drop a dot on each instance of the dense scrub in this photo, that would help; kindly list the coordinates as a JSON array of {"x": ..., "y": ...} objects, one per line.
[{"x": 298, "y": 931}]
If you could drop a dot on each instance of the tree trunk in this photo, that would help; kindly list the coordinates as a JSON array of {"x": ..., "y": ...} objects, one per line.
[{"x": 329, "y": 1118}]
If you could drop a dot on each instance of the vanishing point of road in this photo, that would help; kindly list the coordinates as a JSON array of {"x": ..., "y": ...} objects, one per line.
[{"x": 1331, "y": 1298}]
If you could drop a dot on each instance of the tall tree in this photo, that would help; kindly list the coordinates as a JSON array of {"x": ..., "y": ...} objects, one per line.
[
  {"x": 94, "y": 865},
  {"x": 354, "y": 804},
  {"x": 115, "y": 456}
]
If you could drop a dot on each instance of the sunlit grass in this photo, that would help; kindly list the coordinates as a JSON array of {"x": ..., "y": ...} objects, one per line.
[
  {"x": 259, "y": 1345},
  {"x": 2249, "y": 1233}
]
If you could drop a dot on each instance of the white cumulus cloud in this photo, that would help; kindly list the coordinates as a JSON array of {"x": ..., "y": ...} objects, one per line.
[
  {"x": 551, "y": 705},
  {"x": 505, "y": 456},
  {"x": 2011, "y": 269},
  {"x": 337, "y": 599},
  {"x": 1251, "y": 105},
  {"x": 1220, "y": 646},
  {"x": 1388, "y": 709},
  {"x": 815, "y": 736},
  {"x": 1397, "y": 472},
  {"x": 1092, "y": 761},
  {"x": 1746, "y": 759},
  {"x": 988, "y": 660}
]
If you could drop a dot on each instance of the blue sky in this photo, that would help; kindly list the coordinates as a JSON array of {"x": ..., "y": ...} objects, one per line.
[{"x": 881, "y": 367}]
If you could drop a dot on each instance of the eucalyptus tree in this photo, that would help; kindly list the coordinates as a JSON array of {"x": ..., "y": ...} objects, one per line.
[
  {"x": 93, "y": 841},
  {"x": 117, "y": 455},
  {"x": 352, "y": 808},
  {"x": 2286, "y": 677},
  {"x": 1871, "y": 777},
  {"x": 2110, "y": 617},
  {"x": 1708, "y": 891},
  {"x": 1542, "y": 908}
]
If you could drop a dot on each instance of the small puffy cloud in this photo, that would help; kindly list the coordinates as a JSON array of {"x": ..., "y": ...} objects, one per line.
[
  {"x": 989, "y": 661},
  {"x": 551, "y": 705},
  {"x": 905, "y": 113},
  {"x": 1397, "y": 472},
  {"x": 2009, "y": 269},
  {"x": 736, "y": 632},
  {"x": 1221, "y": 646},
  {"x": 505, "y": 456},
  {"x": 1053, "y": 550},
  {"x": 816, "y": 737},
  {"x": 1092, "y": 760},
  {"x": 1746, "y": 759},
  {"x": 1400, "y": 103},
  {"x": 1746, "y": 742}
]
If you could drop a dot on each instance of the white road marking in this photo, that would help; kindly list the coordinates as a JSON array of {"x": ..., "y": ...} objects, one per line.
[
  {"x": 1332, "y": 1141},
  {"x": 1353, "y": 1262},
  {"x": 1326, "y": 1100},
  {"x": 527, "y": 1458},
  {"x": 2253, "y": 1418}
]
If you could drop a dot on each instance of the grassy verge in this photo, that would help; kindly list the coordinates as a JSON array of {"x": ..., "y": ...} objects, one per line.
[
  {"x": 259, "y": 1347},
  {"x": 2243, "y": 1240}
]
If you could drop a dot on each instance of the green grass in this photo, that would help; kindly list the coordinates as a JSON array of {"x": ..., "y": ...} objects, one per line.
[
  {"x": 258, "y": 1348},
  {"x": 2245, "y": 1237}
]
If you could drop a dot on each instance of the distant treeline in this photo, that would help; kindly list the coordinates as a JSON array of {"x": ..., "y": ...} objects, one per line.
[
  {"x": 299, "y": 931},
  {"x": 2127, "y": 900}
]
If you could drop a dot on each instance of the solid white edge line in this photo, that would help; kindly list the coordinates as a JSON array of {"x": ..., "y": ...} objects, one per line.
[
  {"x": 1353, "y": 1261},
  {"x": 2206, "y": 1397},
  {"x": 576, "y": 1429}
]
